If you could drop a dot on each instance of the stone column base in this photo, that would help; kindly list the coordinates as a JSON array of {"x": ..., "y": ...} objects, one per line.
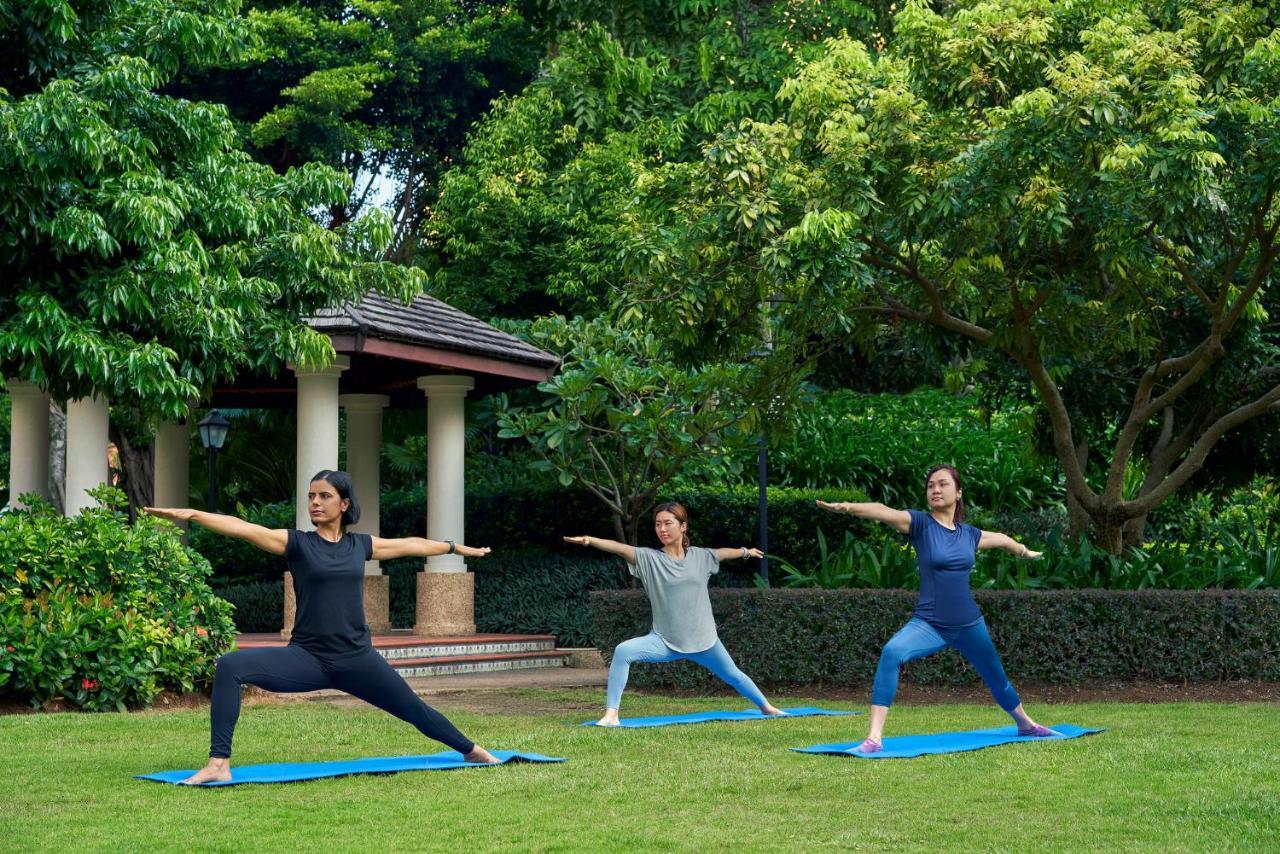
[
  {"x": 446, "y": 604},
  {"x": 377, "y": 603},
  {"x": 290, "y": 606}
]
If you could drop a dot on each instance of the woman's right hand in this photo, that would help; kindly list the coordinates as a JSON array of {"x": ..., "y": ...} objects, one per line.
[
  {"x": 173, "y": 514},
  {"x": 578, "y": 541},
  {"x": 834, "y": 508}
]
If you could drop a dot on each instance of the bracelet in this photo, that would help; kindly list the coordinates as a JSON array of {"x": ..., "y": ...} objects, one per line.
[
  {"x": 453, "y": 547},
  {"x": 746, "y": 553},
  {"x": 586, "y": 541}
]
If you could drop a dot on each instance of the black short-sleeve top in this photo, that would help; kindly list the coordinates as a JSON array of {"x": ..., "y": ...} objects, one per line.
[{"x": 328, "y": 580}]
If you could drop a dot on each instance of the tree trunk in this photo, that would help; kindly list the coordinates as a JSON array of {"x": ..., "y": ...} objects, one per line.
[
  {"x": 1079, "y": 525},
  {"x": 57, "y": 457}
]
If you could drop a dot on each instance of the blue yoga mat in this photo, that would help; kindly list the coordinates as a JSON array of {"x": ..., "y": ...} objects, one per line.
[
  {"x": 288, "y": 772},
  {"x": 907, "y": 746},
  {"x": 704, "y": 717}
]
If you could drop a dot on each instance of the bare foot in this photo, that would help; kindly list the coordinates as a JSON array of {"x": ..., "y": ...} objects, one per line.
[
  {"x": 217, "y": 771},
  {"x": 610, "y": 718},
  {"x": 479, "y": 754},
  {"x": 772, "y": 710}
]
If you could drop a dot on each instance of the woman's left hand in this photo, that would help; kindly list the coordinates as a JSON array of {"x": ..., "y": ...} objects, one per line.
[
  {"x": 468, "y": 551},
  {"x": 1030, "y": 555},
  {"x": 754, "y": 553}
]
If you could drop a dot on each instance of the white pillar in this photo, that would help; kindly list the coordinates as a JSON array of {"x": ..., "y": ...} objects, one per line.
[
  {"x": 172, "y": 484},
  {"x": 364, "y": 453},
  {"x": 317, "y": 450},
  {"x": 87, "y": 440},
  {"x": 317, "y": 428},
  {"x": 446, "y": 472},
  {"x": 28, "y": 441}
]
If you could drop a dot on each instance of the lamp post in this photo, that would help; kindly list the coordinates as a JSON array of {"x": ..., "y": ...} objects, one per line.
[
  {"x": 762, "y": 478},
  {"x": 213, "y": 432}
]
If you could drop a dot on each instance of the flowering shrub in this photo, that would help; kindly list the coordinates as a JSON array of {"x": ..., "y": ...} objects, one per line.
[{"x": 101, "y": 613}]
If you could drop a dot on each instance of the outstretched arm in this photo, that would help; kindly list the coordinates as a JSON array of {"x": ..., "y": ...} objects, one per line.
[
  {"x": 996, "y": 540},
  {"x": 384, "y": 549},
  {"x": 738, "y": 554},
  {"x": 613, "y": 547},
  {"x": 899, "y": 520},
  {"x": 271, "y": 540}
]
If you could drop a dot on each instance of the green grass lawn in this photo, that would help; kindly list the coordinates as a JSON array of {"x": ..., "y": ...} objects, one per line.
[{"x": 1178, "y": 776}]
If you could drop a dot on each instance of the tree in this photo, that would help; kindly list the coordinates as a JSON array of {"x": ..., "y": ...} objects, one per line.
[
  {"x": 530, "y": 221},
  {"x": 383, "y": 91},
  {"x": 623, "y": 418},
  {"x": 143, "y": 255},
  {"x": 1086, "y": 189}
]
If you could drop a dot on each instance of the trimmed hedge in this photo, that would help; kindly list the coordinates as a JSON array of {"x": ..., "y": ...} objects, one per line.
[{"x": 785, "y": 637}]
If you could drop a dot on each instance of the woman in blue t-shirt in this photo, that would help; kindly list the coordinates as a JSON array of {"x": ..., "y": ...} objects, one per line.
[
  {"x": 330, "y": 646},
  {"x": 945, "y": 615}
]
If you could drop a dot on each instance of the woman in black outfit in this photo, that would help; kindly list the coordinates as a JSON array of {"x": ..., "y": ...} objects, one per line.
[{"x": 330, "y": 646}]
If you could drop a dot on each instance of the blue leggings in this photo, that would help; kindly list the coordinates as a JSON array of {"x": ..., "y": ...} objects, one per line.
[
  {"x": 292, "y": 669},
  {"x": 653, "y": 649},
  {"x": 917, "y": 639}
]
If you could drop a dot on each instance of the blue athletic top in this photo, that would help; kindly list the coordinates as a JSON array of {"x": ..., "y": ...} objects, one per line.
[
  {"x": 328, "y": 579},
  {"x": 945, "y": 558}
]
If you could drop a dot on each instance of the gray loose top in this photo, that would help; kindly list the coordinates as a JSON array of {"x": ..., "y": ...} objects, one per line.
[{"x": 677, "y": 592}]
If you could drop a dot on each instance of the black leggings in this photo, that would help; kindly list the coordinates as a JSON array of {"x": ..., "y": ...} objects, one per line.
[{"x": 292, "y": 669}]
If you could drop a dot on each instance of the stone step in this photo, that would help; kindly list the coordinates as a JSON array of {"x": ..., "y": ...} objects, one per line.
[
  {"x": 418, "y": 648},
  {"x": 478, "y": 663}
]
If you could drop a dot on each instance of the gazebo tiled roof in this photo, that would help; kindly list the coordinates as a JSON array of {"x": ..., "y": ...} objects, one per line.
[
  {"x": 389, "y": 346},
  {"x": 431, "y": 323}
]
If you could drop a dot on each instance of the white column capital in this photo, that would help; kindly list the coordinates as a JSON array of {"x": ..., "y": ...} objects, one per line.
[
  {"x": 340, "y": 364},
  {"x": 364, "y": 402},
  {"x": 446, "y": 385}
]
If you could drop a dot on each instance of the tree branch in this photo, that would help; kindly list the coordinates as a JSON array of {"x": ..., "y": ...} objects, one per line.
[{"x": 1196, "y": 456}]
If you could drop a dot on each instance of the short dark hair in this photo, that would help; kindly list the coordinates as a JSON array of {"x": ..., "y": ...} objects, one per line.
[{"x": 341, "y": 481}]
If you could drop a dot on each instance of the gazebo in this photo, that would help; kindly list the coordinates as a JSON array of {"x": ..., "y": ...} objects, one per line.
[{"x": 388, "y": 354}]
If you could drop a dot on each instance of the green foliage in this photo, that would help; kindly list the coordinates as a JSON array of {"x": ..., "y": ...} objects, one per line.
[
  {"x": 855, "y": 563},
  {"x": 623, "y": 419},
  {"x": 144, "y": 256},
  {"x": 830, "y": 637},
  {"x": 1086, "y": 191},
  {"x": 532, "y": 220},
  {"x": 102, "y": 613},
  {"x": 383, "y": 91},
  {"x": 1228, "y": 562},
  {"x": 883, "y": 444},
  {"x": 257, "y": 606}
]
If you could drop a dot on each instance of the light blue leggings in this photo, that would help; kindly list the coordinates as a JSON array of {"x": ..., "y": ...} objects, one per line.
[
  {"x": 917, "y": 639},
  {"x": 651, "y": 648}
]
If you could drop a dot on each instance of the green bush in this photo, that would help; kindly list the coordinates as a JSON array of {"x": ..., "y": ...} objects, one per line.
[
  {"x": 103, "y": 613},
  {"x": 259, "y": 605},
  {"x": 783, "y": 637},
  {"x": 883, "y": 444}
]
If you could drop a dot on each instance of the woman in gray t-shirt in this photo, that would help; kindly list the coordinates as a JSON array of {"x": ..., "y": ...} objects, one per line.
[{"x": 675, "y": 579}]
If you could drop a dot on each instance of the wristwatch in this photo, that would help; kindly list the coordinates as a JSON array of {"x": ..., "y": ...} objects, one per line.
[{"x": 453, "y": 547}]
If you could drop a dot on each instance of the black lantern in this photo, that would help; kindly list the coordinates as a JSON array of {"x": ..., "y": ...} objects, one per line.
[{"x": 213, "y": 432}]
